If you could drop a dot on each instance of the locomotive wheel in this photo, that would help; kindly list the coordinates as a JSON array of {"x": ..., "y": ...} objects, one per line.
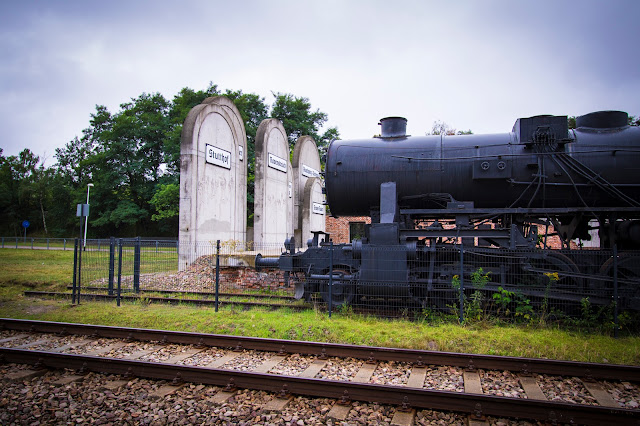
[
  {"x": 342, "y": 292},
  {"x": 628, "y": 271},
  {"x": 564, "y": 266}
]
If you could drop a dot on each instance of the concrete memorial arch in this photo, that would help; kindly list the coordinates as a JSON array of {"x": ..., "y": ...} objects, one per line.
[
  {"x": 213, "y": 177},
  {"x": 309, "y": 210},
  {"x": 273, "y": 198}
]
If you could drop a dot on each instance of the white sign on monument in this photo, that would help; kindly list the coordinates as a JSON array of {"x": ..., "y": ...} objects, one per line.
[
  {"x": 217, "y": 156},
  {"x": 277, "y": 163}
]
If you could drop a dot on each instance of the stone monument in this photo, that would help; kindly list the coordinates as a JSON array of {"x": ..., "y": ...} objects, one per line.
[
  {"x": 213, "y": 178},
  {"x": 309, "y": 210},
  {"x": 273, "y": 198}
]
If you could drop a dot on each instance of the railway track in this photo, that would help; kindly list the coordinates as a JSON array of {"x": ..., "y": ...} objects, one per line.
[
  {"x": 226, "y": 299},
  {"x": 405, "y": 379}
]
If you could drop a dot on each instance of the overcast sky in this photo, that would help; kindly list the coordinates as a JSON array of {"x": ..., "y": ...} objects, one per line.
[{"x": 476, "y": 65}]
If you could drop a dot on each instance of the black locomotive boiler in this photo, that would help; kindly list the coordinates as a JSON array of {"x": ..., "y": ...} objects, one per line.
[{"x": 496, "y": 196}]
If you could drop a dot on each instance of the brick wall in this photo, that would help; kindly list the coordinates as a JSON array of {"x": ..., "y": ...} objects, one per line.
[{"x": 338, "y": 227}]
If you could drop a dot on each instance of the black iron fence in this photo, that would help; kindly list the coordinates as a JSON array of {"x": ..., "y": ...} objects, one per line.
[
  {"x": 457, "y": 282},
  {"x": 68, "y": 243}
]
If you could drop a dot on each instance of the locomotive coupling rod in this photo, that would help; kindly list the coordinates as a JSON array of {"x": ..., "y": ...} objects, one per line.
[{"x": 336, "y": 277}]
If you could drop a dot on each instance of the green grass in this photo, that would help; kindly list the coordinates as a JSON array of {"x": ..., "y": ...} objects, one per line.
[
  {"x": 22, "y": 270},
  {"x": 46, "y": 270}
]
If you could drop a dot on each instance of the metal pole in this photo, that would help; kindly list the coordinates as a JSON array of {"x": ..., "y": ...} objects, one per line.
[
  {"x": 80, "y": 262},
  {"x": 330, "y": 276},
  {"x": 461, "y": 284},
  {"x": 615, "y": 290},
  {"x": 217, "y": 271},
  {"x": 86, "y": 219},
  {"x": 119, "y": 270},
  {"x": 75, "y": 268},
  {"x": 112, "y": 258},
  {"x": 136, "y": 266}
]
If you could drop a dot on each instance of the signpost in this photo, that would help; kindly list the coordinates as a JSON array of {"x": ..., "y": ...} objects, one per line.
[
  {"x": 25, "y": 225},
  {"x": 82, "y": 211}
]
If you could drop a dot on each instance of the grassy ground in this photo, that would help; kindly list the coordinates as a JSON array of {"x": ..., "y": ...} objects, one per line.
[{"x": 22, "y": 270}]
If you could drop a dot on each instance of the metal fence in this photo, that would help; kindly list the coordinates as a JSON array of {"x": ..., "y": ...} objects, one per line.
[
  {"x": 68, "y": 243},
  {"x": 172, "y": 269},
  {"x": 458, "y": 283}
]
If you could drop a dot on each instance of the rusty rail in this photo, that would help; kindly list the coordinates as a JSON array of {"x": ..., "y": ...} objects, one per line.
[
  {"x": 478, "y": 405},
  {"x": 418, "y": 357}
]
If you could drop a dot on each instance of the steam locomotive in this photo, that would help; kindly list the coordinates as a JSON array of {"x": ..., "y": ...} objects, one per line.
[{"x": 495, "y": 196}]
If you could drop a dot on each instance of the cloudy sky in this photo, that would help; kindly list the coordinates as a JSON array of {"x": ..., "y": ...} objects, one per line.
[{"x": 476, "y": 65}]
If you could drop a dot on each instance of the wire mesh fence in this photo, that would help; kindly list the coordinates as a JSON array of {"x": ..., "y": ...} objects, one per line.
[
  {"x": 37, "y": 243},
  {"x": 456, "y": 282}
]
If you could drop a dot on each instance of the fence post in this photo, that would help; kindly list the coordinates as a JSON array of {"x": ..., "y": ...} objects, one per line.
[
  {"x": 217, "y": 272},
  {"x": 136, "y": 266},
  {"x": 330, "y": 276},
  {"x": 80, "y": 258},
  {"x": 32, "y": 244},
  {"x": 461, "y": 284},
  {"x": 16, "y": 242},
  {"x": 64, "y": 244},
  {"x": 119, "y": 271},
  {"x": 75, "y": 268},
  {"x": 112, "y": 263},
  {"x": 615, "y": 291},
  {"x": 47, "y": 244}
]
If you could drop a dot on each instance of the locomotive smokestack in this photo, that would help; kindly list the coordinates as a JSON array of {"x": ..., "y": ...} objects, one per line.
[{"x": 393, "y": 127}]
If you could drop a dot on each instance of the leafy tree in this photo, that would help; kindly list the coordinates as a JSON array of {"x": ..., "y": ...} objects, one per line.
[
  {"x": 25, "y": 192},
  {"x": 442, "y": 128},
  {"x": 298, "y": 120},
  {"x": 164, "y": 201}
]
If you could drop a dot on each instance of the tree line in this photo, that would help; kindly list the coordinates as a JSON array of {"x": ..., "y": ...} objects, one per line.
[{"x": 132, "y": 158}]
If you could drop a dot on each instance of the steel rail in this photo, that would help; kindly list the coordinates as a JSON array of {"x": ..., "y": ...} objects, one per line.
[
  {"x": 418, "y": 357},
  {"x": 476, "y": 404},
  {"x": 200, "y": 293},
  {"x": 170, "y": 301}
]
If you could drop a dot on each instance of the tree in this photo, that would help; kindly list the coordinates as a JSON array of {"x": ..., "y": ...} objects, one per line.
[
  {"x": 442, "y": 128},
  {"x": 25, "y": 191},
  {"x": 298, "y": 120}
]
